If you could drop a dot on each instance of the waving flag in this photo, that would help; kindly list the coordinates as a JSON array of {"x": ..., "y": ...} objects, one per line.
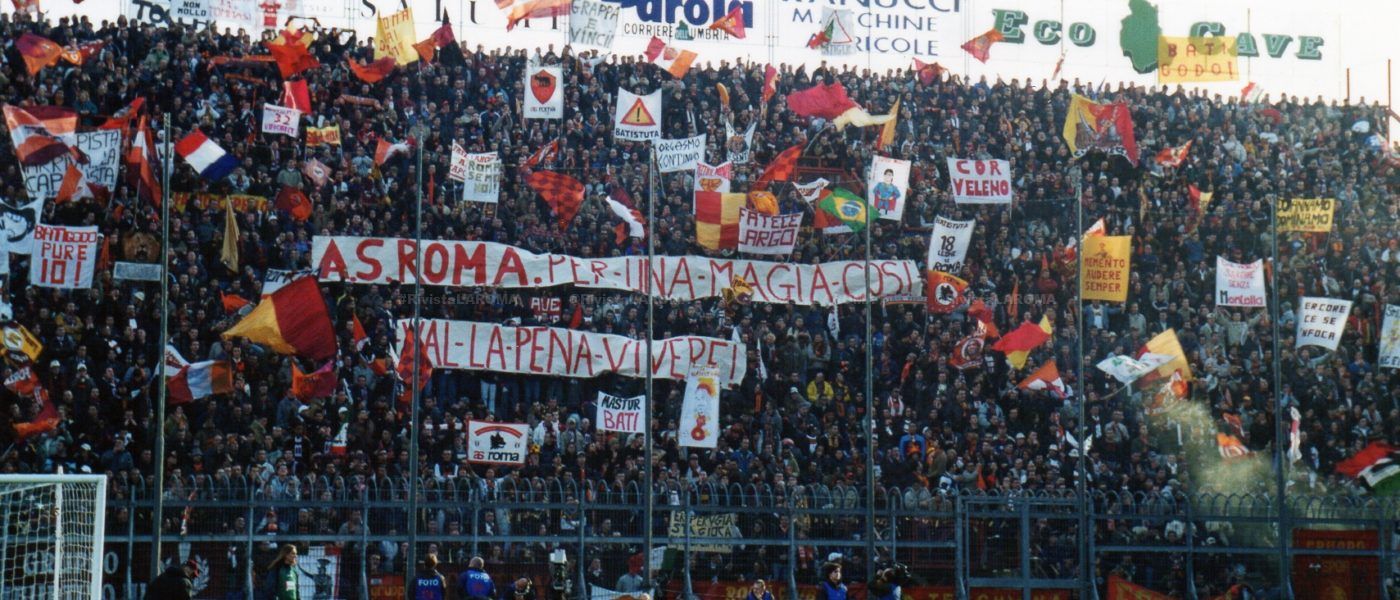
[
  {"x": 732, "y": 23},
  {"x": 1026, "y": 337},
  {"x": 927, "y": 72},
  {"x": 945, "y": 292},
  {"x": 536, "y": 9},
  {"x": 373, "y": 72},
  {"x": 544, "y": 155},
  {"x": 1047, "y": 377},
  {"x": 296, "y": 95},
  {"x": 1174, "y": 156},
  {"x": 1107, "y": 128},
  {"x": 674, "y": 60},
  {"x": 717, "y": 219},
  {"x": 41, "y": 134},
  {"x": 292, "y": 58},
  {"x": 205, "y": 157},
  {"x": 980, "y": 47},
  {"x": 1377, "y": 467},
  {"x": 291, "y": 320},
  {"x": 887, "y": 133},
  {"x": 562, "y": 193},
  {"x": 847, "y": 206},
  {"x": 632, "y": 225},
  {"x": 1017, "y": 358},
  {"x": 79, "y": 55},
  {"x": 142, "y": 161},
  {"x": 199, "y": 380},
  {"x": 782, "y": 167},
  {"x": 320, "y": 383},
  {"x": 383, "y": 151},
  {"x": 38, "y": 52},
  {"x": 829, "y": 101},
  {"x": 770, "y": 82}
]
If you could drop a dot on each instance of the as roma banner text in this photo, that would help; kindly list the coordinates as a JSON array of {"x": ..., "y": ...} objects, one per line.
[
  {"x": 1312, "y": 215},
  {"x": 680, "y": 154},
  {"x": 637, "y": 118},
  {"x": 947, "y": 247},
  {"x": 593, "y": 24},
  {"x": 768, "y": 234},
  {"x": 1107, "y": 265},
  {"x": 497, "y": 443},
  {"x": 64, "y": 257},
  {"x": 625, "y": 415},
  {"x": 455, "y": 263},
  {"x": 473, "y": 346},
  {"x": 1238, "y": 284},
  {"x": 482, "y": 181},
  {"x": 1390, "y": 338},
  {"x": 544, "y": 93},
  {"x": 1320, "y": 321},
  {"x": 980, "y": 181}
]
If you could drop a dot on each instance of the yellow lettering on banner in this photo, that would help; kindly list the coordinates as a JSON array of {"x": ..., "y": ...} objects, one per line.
[
  {"x": 1312, "y": 215},
  {"x": 1195, "y": 59},
  {"x": 394, "y": 36},
  {"x": 1107, "y": 265},
  {"x": 180, "y": 201}
]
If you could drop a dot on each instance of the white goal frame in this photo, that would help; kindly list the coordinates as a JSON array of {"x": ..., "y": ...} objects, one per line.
[{"x": 99, "y": 524}]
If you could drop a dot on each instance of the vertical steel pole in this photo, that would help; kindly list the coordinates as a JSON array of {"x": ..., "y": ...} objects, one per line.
[
  {"x": 157, "y": 511},
  {"x": 647, "y": 433},
  {"x": 411, "y": 564},
  {"x": 1081, "y": 483},
  {"x": 869, "y": 408},
  {"x": 1285, "y": 529}
]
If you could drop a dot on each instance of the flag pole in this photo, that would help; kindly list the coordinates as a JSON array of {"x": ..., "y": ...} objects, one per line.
[
  {"x": 1081, "y": 483},
  {"x": 869, "y": 367},
  {"x": 647, "y": 524},
  {"x": 1280, "y": 456},
  {"x": 411, "y": 565},
  {"x": 161, "y": 388}
]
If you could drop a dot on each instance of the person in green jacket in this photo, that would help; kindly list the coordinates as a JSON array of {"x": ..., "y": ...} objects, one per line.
[{"x": 282, "y": 577}]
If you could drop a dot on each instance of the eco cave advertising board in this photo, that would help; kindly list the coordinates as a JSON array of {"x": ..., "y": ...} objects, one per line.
[{"x": 1300, "y": 46}]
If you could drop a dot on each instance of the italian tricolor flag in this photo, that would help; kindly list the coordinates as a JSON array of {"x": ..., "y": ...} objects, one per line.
[{"x": 1377, "y": 467}]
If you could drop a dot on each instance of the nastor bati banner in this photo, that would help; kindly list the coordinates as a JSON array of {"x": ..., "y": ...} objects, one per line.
[{"x": 486, "y": 264}]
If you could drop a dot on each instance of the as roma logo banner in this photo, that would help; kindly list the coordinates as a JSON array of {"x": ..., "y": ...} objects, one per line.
[
  {"x": 497, "y": 443},
  {"x": 544, "y": 93},
  {"x": 637, "y": 118}
]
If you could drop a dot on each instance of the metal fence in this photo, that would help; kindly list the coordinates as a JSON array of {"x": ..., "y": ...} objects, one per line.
[{"x": 352, "y": 534}]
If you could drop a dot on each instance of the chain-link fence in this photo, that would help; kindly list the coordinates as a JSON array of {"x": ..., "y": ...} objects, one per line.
[{"x": 714, "y": 542}]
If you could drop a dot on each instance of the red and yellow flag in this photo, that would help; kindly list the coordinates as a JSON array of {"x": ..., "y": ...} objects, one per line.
[
  {"x": 717, "y": 219},
  {"x": 292, "y": 320},
  {"x": 1120, "y": 589},
  {"x": 38, "y": 52}
]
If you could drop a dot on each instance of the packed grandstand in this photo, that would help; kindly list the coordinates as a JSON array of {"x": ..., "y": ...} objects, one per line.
[{"x": 949, "y": 418}]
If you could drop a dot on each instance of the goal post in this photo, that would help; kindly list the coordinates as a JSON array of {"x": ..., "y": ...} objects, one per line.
[{"x": 51, "y": 534}]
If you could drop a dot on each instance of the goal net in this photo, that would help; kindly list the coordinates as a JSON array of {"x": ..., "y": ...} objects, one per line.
[{"x": 51, "y": 536}]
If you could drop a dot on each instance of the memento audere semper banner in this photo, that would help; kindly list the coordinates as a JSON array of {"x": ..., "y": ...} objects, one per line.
[
  {"x": 456, "y": 263},
  {"x": 476, "y": 346}
]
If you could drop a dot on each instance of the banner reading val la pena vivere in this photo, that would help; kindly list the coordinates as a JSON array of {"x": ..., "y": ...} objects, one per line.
[
  {"x": 455, "y": 263},
  {"x": 474, "y": 346}
]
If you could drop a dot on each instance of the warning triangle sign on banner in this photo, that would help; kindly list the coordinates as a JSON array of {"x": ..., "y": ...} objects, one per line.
[{"x": 638, "y": 115}]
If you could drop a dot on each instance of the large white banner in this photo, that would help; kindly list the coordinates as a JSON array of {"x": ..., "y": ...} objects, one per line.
[
  {"x": 592, "y": 24},
  {"x": 497, "y": 443},
  {"x": 947, "y": 247},
  {"x": 1239, "y": 284},
  {"x": 544, "y": 92},
  {"x": 17, "y": 223},
  {"x": 889, "y": 189},
  {"x": 1390, "y": 338},
  {"x": 458, "y": 263},
  {"x": 714, "y": 178},
  {"x": 473, "y": 346},
  {"x": 699, "y": 424},
  {"x": 767, "y": 234},
  {"x": 1321, "y": 321},
  {"x": 625, "y": 415},
  {"x": 103, "y": 151},
  {"x": 64, "y": 257},
  {"x": 979, "y": 181},
  {"x": 482, "y": 178},
  {"x": 281, "y": 120},
  {"x": 681, "y": 154},
  {"x": 637, "y": 118}
]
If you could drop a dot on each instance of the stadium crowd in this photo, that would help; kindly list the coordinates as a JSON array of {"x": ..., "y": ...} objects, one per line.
[{"x": 939, "y": 429}]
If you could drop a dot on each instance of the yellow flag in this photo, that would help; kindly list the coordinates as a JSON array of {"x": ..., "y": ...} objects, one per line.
[
  {"x": 229, "y": 255},
  {"x": 18, "y": 340},
  {"x": 394, "y": 36},
  {"x": 1106, "y": 267},
  {"x": 1192, "y": 59},
  {"x": 1168, "y": 344},
  {"x": 1017, "y": 358},
  {"x": 887, "y": 133}
]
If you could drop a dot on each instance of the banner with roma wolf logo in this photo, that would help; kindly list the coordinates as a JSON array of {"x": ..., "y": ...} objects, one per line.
[
  {"x": 544, "y": 93},
  {"x": 1107, "y": 128}
]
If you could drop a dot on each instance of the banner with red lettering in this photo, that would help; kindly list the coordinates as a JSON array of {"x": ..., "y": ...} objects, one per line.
[
  {"x": 767, "y": 234},
  {"x": 615, "y": 413},
  {"x": 497, "y": 443},
  {"x": 457, "y": 263},
  {"x": 64, "y": 257},
  {"x": 980, "y": 181},
  {"x": 1239, "y": 284},
  {"x": 474, "y": 346}
]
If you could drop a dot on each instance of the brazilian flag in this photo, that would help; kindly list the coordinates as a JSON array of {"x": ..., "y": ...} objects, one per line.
[{"x": 847, "y": 206}]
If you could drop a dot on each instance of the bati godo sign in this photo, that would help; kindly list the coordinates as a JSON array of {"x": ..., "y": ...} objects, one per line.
[{"x": 497, "y": 443}]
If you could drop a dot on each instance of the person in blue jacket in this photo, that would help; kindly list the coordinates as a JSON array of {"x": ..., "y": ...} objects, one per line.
[
  {"x": 759, "y": 591},
  {"x": 831, "y": 587},
  {"x": 474, "y": 583}
]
